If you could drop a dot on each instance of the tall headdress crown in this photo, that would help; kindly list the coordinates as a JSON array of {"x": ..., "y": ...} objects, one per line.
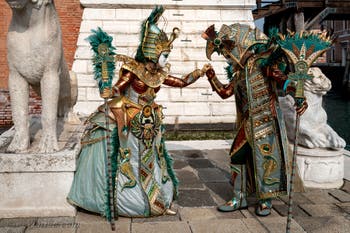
[
  {"x": 233, "y": 40},
  {"x": 154, "y": 41}
]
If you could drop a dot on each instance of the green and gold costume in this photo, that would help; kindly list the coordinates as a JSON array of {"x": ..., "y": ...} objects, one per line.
[{"x": 144, "y": 183}]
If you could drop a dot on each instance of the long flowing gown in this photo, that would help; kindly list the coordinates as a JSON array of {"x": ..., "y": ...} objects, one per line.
[{"x": 143, "y": 178}]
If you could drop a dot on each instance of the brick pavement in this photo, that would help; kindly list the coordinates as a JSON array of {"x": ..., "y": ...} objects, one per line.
[{"x": 203, "y": 176}]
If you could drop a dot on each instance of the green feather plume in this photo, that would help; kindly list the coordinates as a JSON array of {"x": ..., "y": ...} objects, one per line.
[
  {"x": 229, "y": 72},
  {"x": 308, "y": 39},
  {"x": 98, "y": 38}
]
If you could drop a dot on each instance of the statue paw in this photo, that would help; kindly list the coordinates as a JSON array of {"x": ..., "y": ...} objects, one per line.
[
  {"x": 48, "y": 144},
  {"x": 335, "y": 141},
  {"x": 19, "y": 143}
]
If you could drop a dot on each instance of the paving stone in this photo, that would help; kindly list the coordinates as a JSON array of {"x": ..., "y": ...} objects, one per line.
[
  {"x": 322, "y": 210},
  {"x": 254, "y": 225},
  {"x": 220, "y": 158},
  {"x": 346, "y": 186},
  {"x": 328, "y": 224},
  {"x": 298, "y": 198},
  {"x": 212, "y": 175},
  {"x": 162, "y": 218},
  {"x": 200, "y": 163},
  {"x": 279, "y": 224},
  {"x": 345, "y": 207},
  {"x": 228, "y": 215},
  {"x": 200, "y": 213},
  {"x": 310, "y": 224},
  {"x": 317, "y": 196},
  {"x": 12, "y": 229},
  {"x": 51, "y": 230},
  {"x": 247, "y": 214},
  {"x": 56, "y": 221},
  {"x": 104, "y": 227},
  {"x": 195, "y": 198},
  {"x": 283, "y": 210},
  {"x": 88, "y": 217},
  {"x": 252, "y": 208},
  {"x": 189, "y": 154},
  {"x": 340, "y": 195},
  {"x": 218, "y": 226},
  {"x": 179, "y": 164},
  {"x": 17, "y": 222},
  {"x": 188, "y": 180},
  {"x": 153, "y": 227},
  {"x": 223, "y": 189}
]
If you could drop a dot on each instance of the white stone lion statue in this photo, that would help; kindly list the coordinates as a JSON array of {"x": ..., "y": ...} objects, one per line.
[
  {"x": 314, "y": 132},
  {"x": 35, "y": 58}
]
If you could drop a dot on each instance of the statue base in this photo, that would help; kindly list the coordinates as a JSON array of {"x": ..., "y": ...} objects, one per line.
[
  {"x": 36, "y": 185},
  {"x": 321, "y": 168}
]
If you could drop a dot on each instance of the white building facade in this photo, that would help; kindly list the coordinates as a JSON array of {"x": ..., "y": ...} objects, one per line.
[{"x": 196, "y": 104}]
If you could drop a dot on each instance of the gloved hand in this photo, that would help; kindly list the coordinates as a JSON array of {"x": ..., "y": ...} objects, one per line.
[
  {"x": 210, "y": 73},
  {"x": 300, "y": 105},
  {"x": 205, "y": 68},
  {"x": 106, "y": 93}
]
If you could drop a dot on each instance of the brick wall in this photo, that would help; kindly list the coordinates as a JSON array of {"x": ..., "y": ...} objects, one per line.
[{"x": 70, "y": 13}]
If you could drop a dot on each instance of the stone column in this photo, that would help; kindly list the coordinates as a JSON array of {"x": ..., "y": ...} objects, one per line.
[{"x": 122, "y": 20}]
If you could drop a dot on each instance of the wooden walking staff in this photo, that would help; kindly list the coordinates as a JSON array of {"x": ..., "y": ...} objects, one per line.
[
  {"x": 302, "y": 49},
  {"x": 103, "y": 62}
]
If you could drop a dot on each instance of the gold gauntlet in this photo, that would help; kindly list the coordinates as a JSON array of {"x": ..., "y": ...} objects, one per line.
[
  {"x": 215, "y": 84},
  {"x": 197, "y": 73}
]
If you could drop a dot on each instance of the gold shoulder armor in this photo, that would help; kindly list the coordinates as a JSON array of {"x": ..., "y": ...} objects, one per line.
[{"x": 150, "y": 79}]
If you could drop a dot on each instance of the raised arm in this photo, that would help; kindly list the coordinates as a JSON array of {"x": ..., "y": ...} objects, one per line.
[
  {"x": 188, "y": 79},
  {"x": 224, "y": 91}
]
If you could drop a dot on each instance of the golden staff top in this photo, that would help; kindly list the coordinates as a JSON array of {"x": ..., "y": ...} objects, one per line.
[{"x": 303, "y": 49}]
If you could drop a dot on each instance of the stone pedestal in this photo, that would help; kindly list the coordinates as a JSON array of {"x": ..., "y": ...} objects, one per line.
[
  {"x": 36, "y": 185},
  {"x": 321, "y": 168}
]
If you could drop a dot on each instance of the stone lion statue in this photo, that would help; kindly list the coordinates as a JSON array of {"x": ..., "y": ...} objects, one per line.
[
  {"x": 314, "y": 132},
  {"x": 35, "y": 58}
]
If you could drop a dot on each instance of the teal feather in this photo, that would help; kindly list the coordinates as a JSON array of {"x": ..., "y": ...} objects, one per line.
[
  {"x": 169, "y": 164},
  {"x": 270, "y": 52},
  {"x": 97, "y": 38},
  {"x": 229, "y": 72},
  {"x": 152, "y": 19},
  {"x": 305, "y": 38},
  {"x": 114, "y": 160}
]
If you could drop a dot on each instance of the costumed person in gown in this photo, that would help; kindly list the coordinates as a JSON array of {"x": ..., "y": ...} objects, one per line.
[
  {"x": 144, "y": 183},
  {"x": 259, "y": 161}
]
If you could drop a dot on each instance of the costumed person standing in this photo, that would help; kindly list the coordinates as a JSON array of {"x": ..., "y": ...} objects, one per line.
[
  {"x": 143, "y": 182},
  {"x": 259, "y": 160}
]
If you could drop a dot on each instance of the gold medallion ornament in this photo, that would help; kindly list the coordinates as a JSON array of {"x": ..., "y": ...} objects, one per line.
[{"x": 145, "y": 125}]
